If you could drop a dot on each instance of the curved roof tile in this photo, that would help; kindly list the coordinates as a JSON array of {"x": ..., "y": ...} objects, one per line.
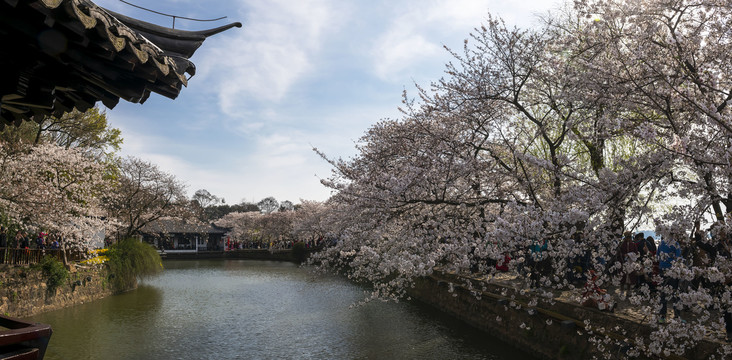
[{"x": 64, "y": 54}]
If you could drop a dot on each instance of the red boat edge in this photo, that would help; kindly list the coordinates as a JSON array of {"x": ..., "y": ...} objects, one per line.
[{"x": 23, "y": 340}]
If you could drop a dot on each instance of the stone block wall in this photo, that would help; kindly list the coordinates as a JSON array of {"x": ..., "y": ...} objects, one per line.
[
  {"x": 549, "y": 331},
  {"x": 23, "y": 290}
]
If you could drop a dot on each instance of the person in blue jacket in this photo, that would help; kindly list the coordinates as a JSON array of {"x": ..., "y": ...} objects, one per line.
[
  {"x": 538, "y": 261},
  {"x": 668, "y": 252}
]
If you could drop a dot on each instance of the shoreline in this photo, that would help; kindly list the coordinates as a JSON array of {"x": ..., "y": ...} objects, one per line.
[{"x": 555, "y": 330}]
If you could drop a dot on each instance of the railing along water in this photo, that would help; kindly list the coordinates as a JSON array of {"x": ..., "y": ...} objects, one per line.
[{"x": 15, "y": 256}]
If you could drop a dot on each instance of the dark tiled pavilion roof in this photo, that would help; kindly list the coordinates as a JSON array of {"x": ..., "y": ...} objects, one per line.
[
  {"x": 168, "y": 226},
  {"x": 56, "y": 55}
]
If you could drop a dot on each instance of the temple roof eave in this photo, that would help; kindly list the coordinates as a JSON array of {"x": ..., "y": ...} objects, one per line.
[{"x": 65, "y": 54}]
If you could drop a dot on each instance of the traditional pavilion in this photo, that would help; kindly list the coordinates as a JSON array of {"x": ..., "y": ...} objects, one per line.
[
  {"x": 63, "y": 54},
  {"x": 173, "y": 235}
]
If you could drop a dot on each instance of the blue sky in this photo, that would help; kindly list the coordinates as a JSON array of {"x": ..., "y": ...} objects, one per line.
[{"x": 297, "y": 75}]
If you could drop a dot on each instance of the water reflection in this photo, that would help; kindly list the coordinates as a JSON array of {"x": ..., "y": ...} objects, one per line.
[{"x": 236, "y": 309}]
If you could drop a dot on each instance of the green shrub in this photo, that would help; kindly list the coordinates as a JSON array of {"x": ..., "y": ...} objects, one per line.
[
  {"x": 54, "y": 271},
  {"x": 129, "y": 260}
]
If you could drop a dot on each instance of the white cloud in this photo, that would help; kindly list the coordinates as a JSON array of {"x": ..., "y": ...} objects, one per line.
[
  {"x": 280, "y": 151},
  {"x": 280, "y": 165},
  {"x": 417, "y": 34},
  {"x": 272, "y": 52},
  {"x": 396, "y": 52},
  {"x": 298, "y": 74},
  {"x": 458, "y": 14}
]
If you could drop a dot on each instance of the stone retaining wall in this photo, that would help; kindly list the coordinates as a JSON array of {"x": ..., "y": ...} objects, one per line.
[
  {"x": 551, "y": 331},
  {"x": 23, "y": 290}
]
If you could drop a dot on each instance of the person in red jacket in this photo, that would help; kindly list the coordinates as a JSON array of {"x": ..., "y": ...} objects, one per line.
[{"x": 503, "y": 265}]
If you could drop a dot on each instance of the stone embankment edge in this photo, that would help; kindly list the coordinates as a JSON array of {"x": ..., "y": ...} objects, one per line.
[
  {"x": 550, "y": 331},
  {"x": 24, "y": 293}
]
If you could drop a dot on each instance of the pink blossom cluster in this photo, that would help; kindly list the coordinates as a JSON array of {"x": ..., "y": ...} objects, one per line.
[
  {"x": 542, "y": 147},
  {"x": 55, "y": 189}
]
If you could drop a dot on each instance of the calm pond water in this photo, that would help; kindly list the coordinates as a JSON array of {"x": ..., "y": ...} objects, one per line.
[{"x": 239, "y": 309}]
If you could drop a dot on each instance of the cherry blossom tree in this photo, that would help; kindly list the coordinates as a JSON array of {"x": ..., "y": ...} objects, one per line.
[
  {"x": 276, "y": 228},
  {"x": 546, "y": 145},
  {"x": 241, "y": 225},
  {"x": 271, "y": 230},
  {"x": 311, "y": 221},
  {"x": 55, "y": 189},
  {"x": 144, "y": 194}
]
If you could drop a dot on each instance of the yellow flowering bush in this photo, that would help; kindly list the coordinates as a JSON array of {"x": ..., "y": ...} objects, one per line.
[
  {"x": 100, "y": 257},
  {"x": 96, "y": 260}
]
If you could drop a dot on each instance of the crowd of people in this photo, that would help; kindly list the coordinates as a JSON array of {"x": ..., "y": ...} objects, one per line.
[
  {"x": 679, "y": 263},
  {"x": 22, "y": 249},
  {"x": 22, "y": 240},
  {"x": 676, "y": 264}
]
